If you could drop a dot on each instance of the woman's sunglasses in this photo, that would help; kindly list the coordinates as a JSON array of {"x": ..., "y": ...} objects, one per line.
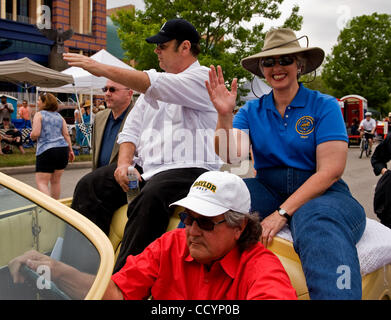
[
  {"x": 283, "y": 61},
  {"x": 204, "y": 223}
]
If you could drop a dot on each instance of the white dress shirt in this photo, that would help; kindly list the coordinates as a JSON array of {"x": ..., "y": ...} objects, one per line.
[{"x": 172, "y": 125}]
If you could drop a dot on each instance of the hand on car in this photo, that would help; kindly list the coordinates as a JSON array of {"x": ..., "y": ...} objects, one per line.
[{"x": 32, "y": 259}]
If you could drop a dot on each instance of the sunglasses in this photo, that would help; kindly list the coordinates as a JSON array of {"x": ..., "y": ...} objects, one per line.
[
  {"x": 283, "y": 61},
  {"x": 112, "y": 89},
  {"x": 204, "y": 223},
  {"x": 161, "y": 46}
]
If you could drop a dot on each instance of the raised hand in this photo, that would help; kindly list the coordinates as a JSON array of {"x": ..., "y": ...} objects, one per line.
[{"x": 223, "y": 100}]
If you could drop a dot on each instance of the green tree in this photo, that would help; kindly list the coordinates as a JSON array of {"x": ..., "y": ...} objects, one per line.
[
  {"x": 223, "y": 25},
  {"x": 316, "y": 83},
  {"x": 360, "y": 63}
]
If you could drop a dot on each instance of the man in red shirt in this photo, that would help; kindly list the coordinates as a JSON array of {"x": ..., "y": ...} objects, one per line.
[{"x": 217, "y": 256}]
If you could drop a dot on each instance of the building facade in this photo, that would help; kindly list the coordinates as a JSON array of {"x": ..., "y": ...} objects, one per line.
[{"x": 20, "y": 21}]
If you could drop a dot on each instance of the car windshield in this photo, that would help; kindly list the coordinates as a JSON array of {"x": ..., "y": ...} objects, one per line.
[{"x": 40, "y": 246}]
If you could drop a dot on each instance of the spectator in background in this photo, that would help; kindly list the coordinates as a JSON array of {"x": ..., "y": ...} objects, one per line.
[
  {"x": 6, "y": 108},
  {"x": 79, "y": 134},
  {"x": 368, "y": 127},
  {"x": 100, "y": 104},
  {"x": 82, "y": 119},
  {"x": 354, "y": 128},
  {"x": 24, "y": 113},
  {"x": 12, "y": 135},
  {"x": 54, "y": 147},
  {"x": 86, "y": 111}
]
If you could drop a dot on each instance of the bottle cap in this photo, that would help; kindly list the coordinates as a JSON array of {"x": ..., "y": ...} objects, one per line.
[{"x": 130, "y": 169}]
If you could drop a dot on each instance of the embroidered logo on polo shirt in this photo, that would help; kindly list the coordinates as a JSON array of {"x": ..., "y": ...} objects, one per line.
[
  {"x": 206, "y": 185},
  {"x": 305, "y": 125}
]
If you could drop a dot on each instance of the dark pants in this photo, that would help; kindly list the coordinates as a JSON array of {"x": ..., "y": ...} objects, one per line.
[
  {"x": 97, "y": 196},
  {"x": 149, "y": 212},
  {"x": 382, "y": 199}
]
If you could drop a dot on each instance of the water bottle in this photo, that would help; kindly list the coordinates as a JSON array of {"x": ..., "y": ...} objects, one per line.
[{"x": 133, "y": 184}]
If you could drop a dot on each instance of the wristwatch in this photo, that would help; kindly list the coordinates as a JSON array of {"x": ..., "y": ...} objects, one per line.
[{"x": 285, "y": 214}]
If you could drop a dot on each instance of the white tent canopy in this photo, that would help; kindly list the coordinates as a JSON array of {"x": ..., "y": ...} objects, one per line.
[
  {"x": 258, "y": 86},
  {"x": 27, "y": 72},
  {"x": 85, "y": 82}
]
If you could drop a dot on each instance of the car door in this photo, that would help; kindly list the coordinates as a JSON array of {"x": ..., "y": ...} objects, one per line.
[{"x": 50, "y": 237}]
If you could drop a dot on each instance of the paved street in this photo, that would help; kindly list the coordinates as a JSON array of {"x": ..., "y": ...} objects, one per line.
[{"x": 358, "y": 175}]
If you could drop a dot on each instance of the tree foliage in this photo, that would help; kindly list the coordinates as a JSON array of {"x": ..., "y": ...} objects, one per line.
[
  {"x": 360, "y": 63},
  {"x": 224, "y": 25}
]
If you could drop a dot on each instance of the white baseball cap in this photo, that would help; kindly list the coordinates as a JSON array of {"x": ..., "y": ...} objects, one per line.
[
  {"x": 216, "y": 192},
  {"x": 368, "y": 113}
]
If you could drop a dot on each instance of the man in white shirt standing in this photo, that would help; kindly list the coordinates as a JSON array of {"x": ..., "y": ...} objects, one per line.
[
  {"x": 171, "y": 127},
  {"x": 368, "y": 127},
  {"x": 6, "y": 108}
]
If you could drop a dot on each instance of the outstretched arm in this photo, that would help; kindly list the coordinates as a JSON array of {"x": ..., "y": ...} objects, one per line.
[{"x": 133, "y": 79}]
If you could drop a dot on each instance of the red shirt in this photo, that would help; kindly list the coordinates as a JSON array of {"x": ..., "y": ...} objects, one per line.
[
  {"x": 24, "y": 113},
  {"x": 166, "y": 271}
]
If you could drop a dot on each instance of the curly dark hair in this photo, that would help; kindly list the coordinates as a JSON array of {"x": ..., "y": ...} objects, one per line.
[{"x": 251, "y": 232}]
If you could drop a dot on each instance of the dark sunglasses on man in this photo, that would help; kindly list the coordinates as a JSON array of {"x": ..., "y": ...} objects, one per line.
[
  {"x": 112, "y": 89},
  {"x": 283, "y": 61},
  {"x": 204, "y": 223}
]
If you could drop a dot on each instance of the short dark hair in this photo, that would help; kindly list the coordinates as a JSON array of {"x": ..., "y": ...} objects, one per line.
[
  {"x": 195, "y": 48},
  {"x": 50, "y": 101}
]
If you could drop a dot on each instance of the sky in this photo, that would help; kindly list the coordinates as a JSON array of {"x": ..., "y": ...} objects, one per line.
[{"x": 322, "y": 19}]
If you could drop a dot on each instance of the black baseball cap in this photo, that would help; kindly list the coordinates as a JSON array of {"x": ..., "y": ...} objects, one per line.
[{"x": 179, "y": 29}]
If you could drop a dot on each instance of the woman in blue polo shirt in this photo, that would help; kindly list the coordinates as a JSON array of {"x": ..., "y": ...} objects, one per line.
[{"x": 300, "y": 144}]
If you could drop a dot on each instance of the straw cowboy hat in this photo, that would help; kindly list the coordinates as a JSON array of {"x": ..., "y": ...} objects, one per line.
[
  {"x": 87, "y": 103},
  {"x": 283, "y": 41}
]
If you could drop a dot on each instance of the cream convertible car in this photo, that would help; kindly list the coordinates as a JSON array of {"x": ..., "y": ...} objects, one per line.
[{"x": 30, "y": 220}]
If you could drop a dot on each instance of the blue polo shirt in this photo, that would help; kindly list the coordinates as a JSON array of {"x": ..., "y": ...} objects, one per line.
[
  {"x": 291, "y": 141},
  {"x": 109, "y": 138}
]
